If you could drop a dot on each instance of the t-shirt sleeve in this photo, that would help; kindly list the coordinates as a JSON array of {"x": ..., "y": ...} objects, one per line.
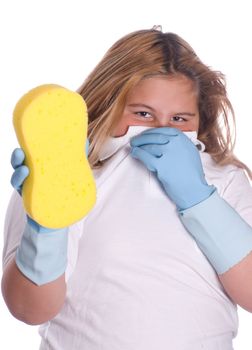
[
  {"x": 238, "y": 193},
  {"x": 14, "y": 224}
]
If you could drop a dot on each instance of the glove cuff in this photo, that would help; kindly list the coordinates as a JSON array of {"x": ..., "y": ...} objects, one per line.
[
  {"x": 220, "y": 232},
  {"x": 195, "y": 197},
  {"x": 42, "y": 257}
]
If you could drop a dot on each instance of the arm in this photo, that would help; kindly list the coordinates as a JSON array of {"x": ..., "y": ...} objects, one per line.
[
  {"x": 226, "y": 240},
  {"x": 239, "y": 275},
  {"x": 223, "y": 235},
  {"x": 33, "y": 282},
  {"x": 29, "y": 302},
  {"x": 234, "y": 226}
]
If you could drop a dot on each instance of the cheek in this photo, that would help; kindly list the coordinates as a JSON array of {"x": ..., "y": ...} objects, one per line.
[
  {"x": 122, "y": 126},
  {"x": 120, "y": 129},
  {"x": 183, "y": 128},
  {"x": 190, "y": 126},
  {"x": 194, "y": 124},
  {"x": 126, "y": 121}
]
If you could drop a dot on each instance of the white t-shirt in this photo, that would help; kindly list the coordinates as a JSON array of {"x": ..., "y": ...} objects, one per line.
[{"x": 136, "y": 279}]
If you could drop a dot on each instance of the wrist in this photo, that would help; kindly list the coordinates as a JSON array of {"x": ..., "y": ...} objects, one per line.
[
  {"x": 37, "y": 227},
  {"x": 42, "y": 257},
  {"x": 194, "y": 197}
]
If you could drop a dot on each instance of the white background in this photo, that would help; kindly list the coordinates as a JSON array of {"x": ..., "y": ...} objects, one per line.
[{"x": 60, "y": 41}]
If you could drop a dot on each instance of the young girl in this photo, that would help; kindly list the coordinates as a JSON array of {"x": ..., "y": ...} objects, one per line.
[{"x": 164, "y": 257}]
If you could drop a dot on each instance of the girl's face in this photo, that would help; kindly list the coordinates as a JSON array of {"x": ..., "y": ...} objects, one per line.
[{"x": 161, "y": 101}]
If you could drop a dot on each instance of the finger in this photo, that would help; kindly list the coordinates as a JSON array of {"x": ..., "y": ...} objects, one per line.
[
  {"x": 87, "y": 147},
  {"x": 145, "y": 139},
  {"x": 18, "y": 177},
  {"x": 17, "y": 157},
  {"x": 154, "y": 150},
  {"x": 146, "y": 158}
]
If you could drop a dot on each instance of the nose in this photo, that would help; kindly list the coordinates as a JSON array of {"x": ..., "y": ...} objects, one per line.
[{"x": 163, "y": 122}]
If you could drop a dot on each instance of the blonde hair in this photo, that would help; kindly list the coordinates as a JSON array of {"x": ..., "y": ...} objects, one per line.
[{"x": 147, "y": 53}]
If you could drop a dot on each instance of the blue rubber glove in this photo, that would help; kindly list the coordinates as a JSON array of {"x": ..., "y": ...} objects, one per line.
[
  {"x": 176, "y": 161},
  {"x": 21, "y": 172},
  {"x": 42, "y": 253},
  {"x": 220, "y": 232}
]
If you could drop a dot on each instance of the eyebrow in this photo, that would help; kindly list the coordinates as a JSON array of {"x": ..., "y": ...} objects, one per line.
[
  {"x": 141, "y": 105},
  {"x": 152, "y": 109}
]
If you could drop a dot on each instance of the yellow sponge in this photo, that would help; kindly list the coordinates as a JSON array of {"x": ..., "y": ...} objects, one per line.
[{"x": 50, "y": 122}]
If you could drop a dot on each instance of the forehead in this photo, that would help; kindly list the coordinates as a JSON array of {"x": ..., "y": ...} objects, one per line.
[{"x": 168, "y": 88}]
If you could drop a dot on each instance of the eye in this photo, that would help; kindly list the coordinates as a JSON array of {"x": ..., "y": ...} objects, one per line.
[
  {"x": 145, "y": 115},
  {"x": 178, "y": 119}
]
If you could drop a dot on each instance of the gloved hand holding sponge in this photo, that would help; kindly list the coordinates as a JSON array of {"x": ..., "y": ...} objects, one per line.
[{"x": 52, "y": 173}]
